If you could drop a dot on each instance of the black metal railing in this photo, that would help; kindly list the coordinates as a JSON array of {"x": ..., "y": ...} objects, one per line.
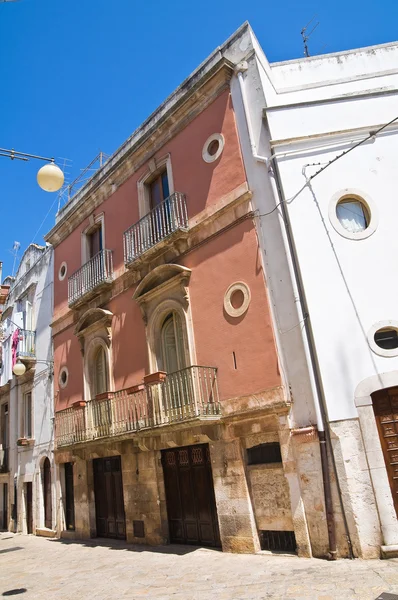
[
  {"x": 27, "y": 343},
  {"x": 169, "y": 216},
  {"x": 97, "y": 271}
]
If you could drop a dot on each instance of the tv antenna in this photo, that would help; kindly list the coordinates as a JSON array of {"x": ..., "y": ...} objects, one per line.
[
  {"x": 306, "y": 36},
  {"x": 14, "y": 252}
]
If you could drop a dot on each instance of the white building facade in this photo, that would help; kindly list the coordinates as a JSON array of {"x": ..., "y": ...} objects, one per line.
[
  {"x": 319, "y": 138},
  {"x": 27, "y": 494}
]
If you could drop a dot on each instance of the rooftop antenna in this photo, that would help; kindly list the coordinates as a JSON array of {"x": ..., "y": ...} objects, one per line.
[
  {"x": 14, "y": 252},
  {"x": 306, "y": 36}
]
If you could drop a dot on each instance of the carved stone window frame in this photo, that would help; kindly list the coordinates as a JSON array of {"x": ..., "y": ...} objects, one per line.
[
  {"x": 163, "y": 291},
  {"x": 155, "y": 166},
  {"x": 94, "y": 329}
]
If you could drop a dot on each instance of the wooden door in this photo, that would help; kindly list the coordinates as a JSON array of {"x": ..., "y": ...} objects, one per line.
[
  {"x": 95, "y": 242},
  {"x": 190, "y": 497},
  {"x": 46, "y": 483},
  {"x": 29, "y": 507},
  {"x": 5, "y": 506},
  {"x": 385, "y": 406},
  {"x": 109, "y": 504},
  {"x": 69, "y": 497}
]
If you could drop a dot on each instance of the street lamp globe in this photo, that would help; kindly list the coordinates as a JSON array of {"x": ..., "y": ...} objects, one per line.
[
  {"x": 19, "y": 368},
  {"x": 50, "y": 178}
]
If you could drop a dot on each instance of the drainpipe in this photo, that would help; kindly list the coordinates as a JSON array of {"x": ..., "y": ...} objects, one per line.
[{"x": 309, "y": 345}]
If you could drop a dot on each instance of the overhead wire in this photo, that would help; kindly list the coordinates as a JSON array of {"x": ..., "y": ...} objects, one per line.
[{"x": 371, "y": 135}]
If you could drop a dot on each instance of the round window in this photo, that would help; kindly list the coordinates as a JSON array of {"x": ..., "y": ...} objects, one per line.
[
  {"x": 63, "y": 377},
  {"x": 386, "y": 338},
  {"x": 237, "y": 299},
  {"x": 353, "y": 215},
  {"x": 62, "y": 271},
  {"x": 213, "y": 147},
  {"x": 383, "y": 338}
]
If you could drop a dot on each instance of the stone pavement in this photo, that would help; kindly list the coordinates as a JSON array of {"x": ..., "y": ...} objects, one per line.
[{"x": 33, "y": 568}]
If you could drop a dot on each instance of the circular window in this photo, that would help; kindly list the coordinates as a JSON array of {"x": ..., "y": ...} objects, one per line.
[
  {"x": 63, "y": 377},
  {"x": 353, "y": 214},
  {"x": 386, "y": 338},
  {"x": 237, "y": 299},
  {"x": 62, "y": 271},
  {"x": 213, "y": 147},
  {"x": 383, "y": 338}
]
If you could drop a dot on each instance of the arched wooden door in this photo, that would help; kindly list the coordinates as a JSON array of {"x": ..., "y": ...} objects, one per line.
[
  {"x": 46, "y": 484},
  {"x": 385, "y": 406}
]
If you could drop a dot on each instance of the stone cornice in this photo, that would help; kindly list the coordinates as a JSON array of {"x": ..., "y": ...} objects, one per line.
[{"x": 150, "y": 138}]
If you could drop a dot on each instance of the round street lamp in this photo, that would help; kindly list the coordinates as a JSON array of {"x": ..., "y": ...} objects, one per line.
[
  {"x": 50, "y": 177},
  {"x": 19, "y": 368}
]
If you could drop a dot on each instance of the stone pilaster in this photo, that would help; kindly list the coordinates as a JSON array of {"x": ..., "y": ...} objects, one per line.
[{"x": 234, "y": 508}]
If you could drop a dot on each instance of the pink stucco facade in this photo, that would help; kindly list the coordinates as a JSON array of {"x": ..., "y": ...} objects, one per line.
[{"x": 231, "y": 255}]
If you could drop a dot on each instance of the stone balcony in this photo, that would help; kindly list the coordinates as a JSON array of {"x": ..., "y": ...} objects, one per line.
[
  {"x": 162, "y": 225},
  {"x": 163, "y": 399},
  {"x": 95, "y": 275}
]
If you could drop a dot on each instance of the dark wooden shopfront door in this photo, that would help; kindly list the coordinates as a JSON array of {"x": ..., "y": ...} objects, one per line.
[
  {"x": 385, "y": 406},
  {"x": 191, "y": 505},
  {"x": 29, "y": 507},
  {"x": 109, "y": 504}
]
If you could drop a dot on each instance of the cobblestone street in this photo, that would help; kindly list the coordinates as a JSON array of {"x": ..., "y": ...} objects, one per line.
[{"x": 33, "y": 568}]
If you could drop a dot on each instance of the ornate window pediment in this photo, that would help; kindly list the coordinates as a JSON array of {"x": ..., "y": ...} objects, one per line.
[
  {"x": 94, "y": 318},
  {"x": 160, "y": 279},
  {"x": 163, "y": 297}
]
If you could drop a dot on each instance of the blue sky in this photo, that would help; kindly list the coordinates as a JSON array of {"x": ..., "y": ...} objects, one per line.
[{"x": 78, "y": 76}]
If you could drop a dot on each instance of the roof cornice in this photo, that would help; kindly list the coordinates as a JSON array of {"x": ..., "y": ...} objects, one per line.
[{"x": 188, "y": 101}]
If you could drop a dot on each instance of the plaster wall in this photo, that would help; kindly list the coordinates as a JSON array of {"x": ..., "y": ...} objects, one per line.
[
  {"x": 232, "y": 256},
  {"x": 34, "y": 280}
]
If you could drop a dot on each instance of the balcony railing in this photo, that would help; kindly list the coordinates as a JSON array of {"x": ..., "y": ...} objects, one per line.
[
  {"x": 181, "y": 396},
  {"x": 90, "y": 277},
  {"x": 168, "y": 217},
  {"x": 27, "y": 344}
]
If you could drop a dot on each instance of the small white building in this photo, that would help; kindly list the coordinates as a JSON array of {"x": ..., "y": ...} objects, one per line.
[
  {"x": 319, "y": 138},
  {"x": 27, "y": 481}
]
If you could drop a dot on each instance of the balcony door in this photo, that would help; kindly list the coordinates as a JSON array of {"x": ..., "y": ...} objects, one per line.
[
  {"x": 178, "y": 389},
  {"x": 94, "y": 242},
  {"x": 160, "y": 210},
  {"x": 173, "y": 358}
]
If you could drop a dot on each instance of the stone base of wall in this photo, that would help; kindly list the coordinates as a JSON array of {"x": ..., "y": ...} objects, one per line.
[{"x": 285, "y": 496}]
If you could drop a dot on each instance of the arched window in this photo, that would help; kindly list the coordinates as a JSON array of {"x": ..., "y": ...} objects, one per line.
[
  {"x": 100, "y": 375},
  {"x": 172, "y": 344}
]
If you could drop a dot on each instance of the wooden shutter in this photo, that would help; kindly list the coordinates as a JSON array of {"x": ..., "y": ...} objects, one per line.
[{"x": 100, "y": 374}]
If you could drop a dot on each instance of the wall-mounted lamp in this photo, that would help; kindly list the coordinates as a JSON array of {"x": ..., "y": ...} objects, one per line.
[{"x": 20, "y": 369}]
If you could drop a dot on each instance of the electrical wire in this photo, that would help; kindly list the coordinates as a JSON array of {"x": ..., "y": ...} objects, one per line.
[{"x": 371, "y": 135}]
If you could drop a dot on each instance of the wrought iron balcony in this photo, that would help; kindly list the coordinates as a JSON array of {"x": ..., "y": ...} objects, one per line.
[
  {"x": 26, "y": 344},
  {"x": 165, "y": 399},
  {"x": 168, "y": 217},
  {"x": 90, "y": 278}
]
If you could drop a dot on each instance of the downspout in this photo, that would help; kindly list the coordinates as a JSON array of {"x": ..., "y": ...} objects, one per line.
[{"x": 309, "y": 345}]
